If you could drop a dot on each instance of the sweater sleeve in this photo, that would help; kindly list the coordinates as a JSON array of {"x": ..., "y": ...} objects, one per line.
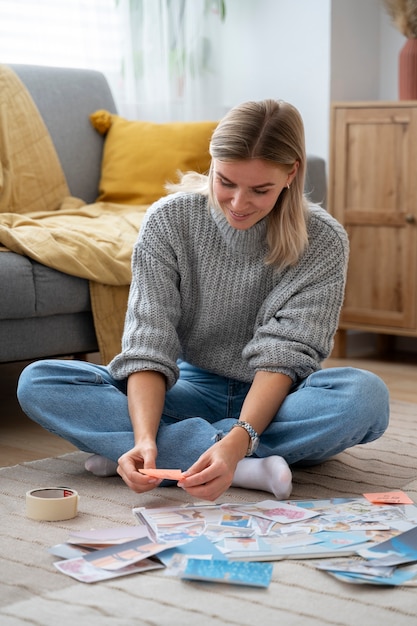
[
  {"x": 150, "y": 339},
  {"x": 296, "y": 325}
]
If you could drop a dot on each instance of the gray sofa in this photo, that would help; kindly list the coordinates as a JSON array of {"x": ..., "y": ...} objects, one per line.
[{"x": 43, "y": 312}]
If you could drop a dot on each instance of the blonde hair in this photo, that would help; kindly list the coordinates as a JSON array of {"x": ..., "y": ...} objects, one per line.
[{"x": 271, "y": 130}]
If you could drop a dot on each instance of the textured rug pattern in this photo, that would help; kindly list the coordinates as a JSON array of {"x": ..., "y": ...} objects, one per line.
[{"x": 32, "y": 592}]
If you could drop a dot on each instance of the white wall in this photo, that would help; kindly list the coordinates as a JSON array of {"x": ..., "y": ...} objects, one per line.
[
  {"x": 309, "y": 52},
  {"x": 354, "y": 50},
  {"x": 391, "y": 43},
  {"x": 280, "y": 49},
  {"x": 365, "y": 47}
]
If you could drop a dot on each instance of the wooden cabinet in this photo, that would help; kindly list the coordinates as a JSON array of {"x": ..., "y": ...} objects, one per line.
[{"x": 373, "y": 193}]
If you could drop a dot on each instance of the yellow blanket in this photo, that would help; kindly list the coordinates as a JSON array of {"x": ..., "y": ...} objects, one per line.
[
  {"x": 37, "y": 218},
  {"x": 92, "y": 241}
]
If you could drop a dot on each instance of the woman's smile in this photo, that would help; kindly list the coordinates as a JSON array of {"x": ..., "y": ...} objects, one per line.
[{"x": 239, "y": 216}]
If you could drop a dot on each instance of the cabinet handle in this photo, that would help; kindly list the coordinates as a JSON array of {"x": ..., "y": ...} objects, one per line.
[{"x": 410, "y": 219}]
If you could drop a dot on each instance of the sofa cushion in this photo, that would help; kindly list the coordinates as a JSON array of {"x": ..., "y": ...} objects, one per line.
[
  {"x": 38, "y": 337},
  {"x": 16, "y": 286},
  {"x": 29, "y": 289},
  {"x": 31, "y": 177},
  {"x": 141, "y": 157}
]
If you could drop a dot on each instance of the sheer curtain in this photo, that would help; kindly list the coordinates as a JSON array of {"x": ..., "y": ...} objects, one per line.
[
  {"x": 161, "y": 57},
  {"x": 172, "y": 58}
]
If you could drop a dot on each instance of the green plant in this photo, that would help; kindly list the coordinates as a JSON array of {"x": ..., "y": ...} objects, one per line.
[{"x": 194, "y": 55}]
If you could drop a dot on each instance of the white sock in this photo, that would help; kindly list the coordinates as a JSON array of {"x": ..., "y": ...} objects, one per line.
[
  {"x": 101, "y": 466},
  {"x": 268, "y": 474}
]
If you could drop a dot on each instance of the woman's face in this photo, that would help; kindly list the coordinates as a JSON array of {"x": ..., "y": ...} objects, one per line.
[{"x": 248, "y": 190}]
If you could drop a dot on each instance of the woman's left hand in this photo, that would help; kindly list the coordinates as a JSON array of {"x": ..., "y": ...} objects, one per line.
[{"x": 212, "y": 474}]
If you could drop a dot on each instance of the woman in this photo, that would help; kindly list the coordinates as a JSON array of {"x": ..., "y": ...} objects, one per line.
[{"x": 236, "y": 291}]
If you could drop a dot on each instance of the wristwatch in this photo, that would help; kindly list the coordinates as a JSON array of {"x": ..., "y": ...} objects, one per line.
[{"x": 254, "y": 437}]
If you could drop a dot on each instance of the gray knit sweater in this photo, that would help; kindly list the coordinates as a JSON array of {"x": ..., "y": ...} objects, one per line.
[{"x": 201, "y": 292}]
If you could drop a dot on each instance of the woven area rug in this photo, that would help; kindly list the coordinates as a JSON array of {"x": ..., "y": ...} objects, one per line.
[{"x": 33, "y": 592}]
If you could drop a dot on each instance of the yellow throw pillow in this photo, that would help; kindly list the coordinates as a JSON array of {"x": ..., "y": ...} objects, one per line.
[
  {"x": 31, "y": 176},
  {"x": 141, "y": 157}
]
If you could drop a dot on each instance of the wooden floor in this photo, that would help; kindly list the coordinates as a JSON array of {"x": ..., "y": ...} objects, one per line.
[{"x": 23, "y": 440}]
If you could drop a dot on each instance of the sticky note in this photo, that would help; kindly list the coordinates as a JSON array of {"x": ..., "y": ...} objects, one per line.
[
  {"x": 389, "y": 497},
  {"x": 167, "y": 474}
]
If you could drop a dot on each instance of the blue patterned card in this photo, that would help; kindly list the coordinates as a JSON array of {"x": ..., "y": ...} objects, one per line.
[{"x": 233, "y": 572}]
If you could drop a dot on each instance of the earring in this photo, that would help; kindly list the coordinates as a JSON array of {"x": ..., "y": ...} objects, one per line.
[{"x": 288, "y": 185}]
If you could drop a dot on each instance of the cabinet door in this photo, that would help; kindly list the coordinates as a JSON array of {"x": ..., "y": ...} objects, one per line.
[{"x": 373, "y": 194}]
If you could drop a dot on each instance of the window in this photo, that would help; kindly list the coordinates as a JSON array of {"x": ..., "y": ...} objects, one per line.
[
  {"x": 63, "y": 33},
  {"x": 161, "y": 58}
]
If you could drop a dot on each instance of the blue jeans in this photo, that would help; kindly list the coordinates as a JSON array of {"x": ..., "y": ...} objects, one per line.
[{"x": 329, "y": 411}]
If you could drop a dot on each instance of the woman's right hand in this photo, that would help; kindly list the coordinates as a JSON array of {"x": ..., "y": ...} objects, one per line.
[
  {"x": 142, "y": 456},
  {"x": 146, "y": 396}
]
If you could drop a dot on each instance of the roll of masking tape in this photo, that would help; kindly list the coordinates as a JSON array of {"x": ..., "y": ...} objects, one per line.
[{"x": 51, "y": 504}]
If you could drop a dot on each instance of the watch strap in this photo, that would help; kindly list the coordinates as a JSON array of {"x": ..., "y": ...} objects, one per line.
[{"x": 254, "y": 437}]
